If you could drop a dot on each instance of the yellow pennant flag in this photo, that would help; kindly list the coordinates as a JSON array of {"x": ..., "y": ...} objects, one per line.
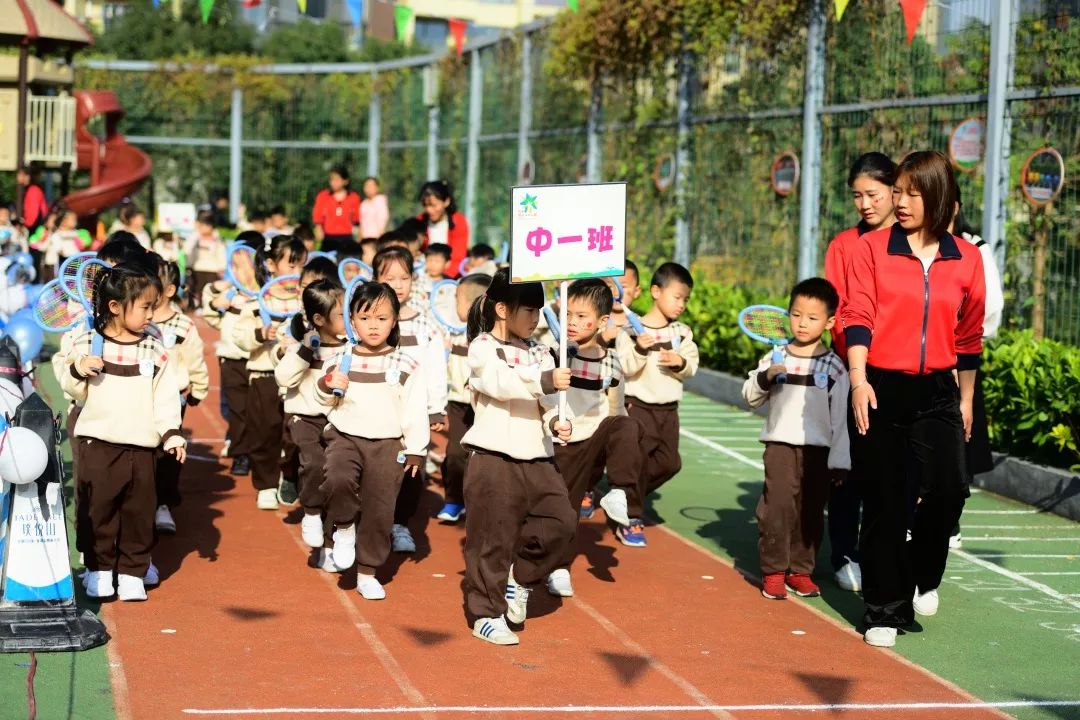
[
  {"x": 302, "y": 4},
  {"x": 841, "y": 6}
]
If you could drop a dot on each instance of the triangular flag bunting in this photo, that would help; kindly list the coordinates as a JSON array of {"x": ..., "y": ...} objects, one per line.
[
  {"x": 913, "y": 10},
  {"x": 252, "y": 3},
  {"x": 457, "y": 29},
  {"x": 356, "y": 12},
  {"x": 572, "y": 4},
  {"x": 302, "y": 4},
  {"x": 402, "y": 15},
  {"x": 205, "y": 6},
  {"x": 841, "y": 6}
]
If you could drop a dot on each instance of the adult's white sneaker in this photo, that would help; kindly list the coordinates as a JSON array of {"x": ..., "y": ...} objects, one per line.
[
  {"x": 517, "y": 600},
  {"x": 99, "y": 584},
  {"x": 926, "y": 603},
  {"x": 849, "y": 577},
  {"x": 883, "y": 637},
  {"x": 558, "y": 583}
]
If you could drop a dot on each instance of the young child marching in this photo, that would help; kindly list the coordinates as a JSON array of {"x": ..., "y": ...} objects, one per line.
[
  {"x": 806, "y": 441},
  {"x": 377, "y": 433},
  {"x": 322, "y": 327},
  {"x": 181, "y": 339},
  {"x": 599, "y": 438},
  {"x": 114, "y": 481},
  {"x": 656, "y": 364},
  {"x": 520, "y": 521}
]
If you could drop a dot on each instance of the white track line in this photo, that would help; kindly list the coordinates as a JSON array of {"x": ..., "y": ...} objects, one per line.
[
  {"x": 1030, "y": 574},
  {"x": 627, "y": 710},
  {"x": 1016, "y": 577},
  {"x": 1032, "y": 511},
  {"x": 1062, "y": 526},
  {"x": 721, "y": 449},
  {"x": 1029, "y": 538},
  {"x": 988, "y": 556}
]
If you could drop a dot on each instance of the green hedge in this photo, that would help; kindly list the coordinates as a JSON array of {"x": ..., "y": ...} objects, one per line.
[{"x": 1032, "y": 387}]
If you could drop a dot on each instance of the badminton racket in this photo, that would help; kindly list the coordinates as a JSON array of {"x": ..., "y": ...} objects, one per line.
[
  {"x": 55, "y": 311},
  {"x": 767, "y": 324},
  {"x": 351, "y": 268},
  {"x": 350, "y": 333},
  {"x": 240, "y": 269},
  {"x": 89, "y": 274},
  {"x": 68, "y": 274},
  {"x": 279, "y": 298},
  {"x": 444, "y": 306}
]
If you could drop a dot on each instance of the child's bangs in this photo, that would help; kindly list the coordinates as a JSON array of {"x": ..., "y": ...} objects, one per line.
[{"x": 529, "y": 295}]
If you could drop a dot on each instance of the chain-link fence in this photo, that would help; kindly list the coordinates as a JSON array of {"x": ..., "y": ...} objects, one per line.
[{"x": 746, "y": 108}]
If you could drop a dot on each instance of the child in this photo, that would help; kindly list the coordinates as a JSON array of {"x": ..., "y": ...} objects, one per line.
[
  {"x": 279, "y": 225},
  {"x": 436, "y": 260},
  {"x": 423, "y": 341},
  {"x": 12, "y": 236},
  {"x": 481, "y": 259},
  {"x": 205, "y": 252},
  {"x": 805, "y": 440},
  {"x": 656, "y": 364},
  {"x": 115, "y": 478},
  {"x": 256, "y": 220},
  {"x": 366, "y": 450},
  {"x": 284, "y": 255},
  {"x": 414, "y": 232},
  {"x": 321, "y": 325},
  {"x": 599, "y": 437},
  {"x": 459, "y": 409},
  {"x": 133, "y": 220},
  {"x": 65, "y": 240},
  {"x": 304, "y": 234},
  {"x": 374, "y": 209},
  {"x": 631, "y": 291},
  {"x": 520, "y": 521},
  {"x": 444, "y": 223},
  {"x": 185, "y": 349}
]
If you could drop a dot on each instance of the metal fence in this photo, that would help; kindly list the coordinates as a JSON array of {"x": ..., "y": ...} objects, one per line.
[{"x": 270, "y": 133}]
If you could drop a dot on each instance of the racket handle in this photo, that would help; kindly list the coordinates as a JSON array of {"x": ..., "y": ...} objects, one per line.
[
  {"x": 97, "y": 344},
  {"x": 634, "y": 321},
  {"x": 343, "y": 368},
  {"x": 265, "y": 317},
  {"x": 778, "y": 359}
]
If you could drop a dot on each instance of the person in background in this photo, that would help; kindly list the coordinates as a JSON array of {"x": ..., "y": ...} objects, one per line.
[
  {"x": 481, "y": 259},
  {"x": 337, "y": 213},
  {"x": 303, "y": 233},
  {"x": 132, "y": 219},
  {"x": 32, "y": 210},
  {"x": 12, "y": 236},
  {"x": 255, "y": 220},
  {"x": 374, "y": 209},
  {"x": 205, "y": 252},
  {"x": 58, "y": 239},
  {"x": 279, "y": 223},
  {"x": 219, "y": 207},
  {"x": 444, "y": 223}
]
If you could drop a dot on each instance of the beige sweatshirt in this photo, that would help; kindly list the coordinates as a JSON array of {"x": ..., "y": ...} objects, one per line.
[
  {"x": 205, "y": 254},
  {"x": 645, "y": 379},
  {"x": 134, "y": 401},
  {"x": 457, "y": 369},
  {"x": 587, "y": 403},
  {"x": 386, "y": 398},
  {"x": 223, "y": 321},
  {"x": 181, "y": 340},
  {"x": 423, "y": 341},
  {"x": 514, "y": 397},
  {"x": 299, "y": 372},
  {"x": 249, "y": 335}
]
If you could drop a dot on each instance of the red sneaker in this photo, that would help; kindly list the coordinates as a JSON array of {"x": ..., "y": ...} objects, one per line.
[
  {"x": 773, "y": 586},
  {"x": 802, "y": 585}
]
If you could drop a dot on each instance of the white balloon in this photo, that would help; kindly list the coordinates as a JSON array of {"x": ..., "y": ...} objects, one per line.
[{"x": 23, "y": 456}]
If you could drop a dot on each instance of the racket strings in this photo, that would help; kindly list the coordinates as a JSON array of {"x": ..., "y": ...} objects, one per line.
[
  {"x": 242, "y": 265},
  {"x": 69, "y": 273},
  {"x": 53, "y": 310},
  {"x": 282, "y": 297},
  {"x": 89, "y": 279},
  {"x": 771, "y": 325}
]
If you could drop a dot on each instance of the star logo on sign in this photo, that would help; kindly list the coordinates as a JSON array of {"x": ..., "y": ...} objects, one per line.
[{"x": 529, "y": 203}]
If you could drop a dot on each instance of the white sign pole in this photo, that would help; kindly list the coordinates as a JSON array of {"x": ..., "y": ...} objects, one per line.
[{"x": 563, "y": 342}]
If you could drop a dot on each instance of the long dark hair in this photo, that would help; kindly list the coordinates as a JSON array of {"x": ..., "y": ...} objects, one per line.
[
  {"x": 930, "y": 172},
  {"x": 369, "y": 294},
  {"x": 277, "y": 249},
  {"x": 390, "y": 255},
  {"x": 319, "y": 298},
  {"x": 482, "y": 313},
  {"x": 439, "y": 189},
  {"x": 874, "y": 165},
  {"x": 123, "y": 283}
]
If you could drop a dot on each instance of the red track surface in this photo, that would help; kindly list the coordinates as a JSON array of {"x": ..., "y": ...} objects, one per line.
[{"x": 255, "y": 627}]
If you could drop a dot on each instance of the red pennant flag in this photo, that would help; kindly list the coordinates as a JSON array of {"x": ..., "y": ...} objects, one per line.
[
  {"x": 252, "y": 3},
  {"x": 457, "y": 29},
  {"x": 913, "y": 10}
]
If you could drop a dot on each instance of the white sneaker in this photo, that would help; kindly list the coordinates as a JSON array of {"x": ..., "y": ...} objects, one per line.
[
  {"x": 345, "y": 547},
  {"x": 495, "y": 631},
  {"x": 99, "y": 584},
  {"x": 401, "y": 540},
  {"x": 517, "y": 600},
  {"x": 163, "y": 520},
  {"x": 225, "y": 448},
  {"x": 130, "y": 588},
  {"x": 311, "y": 530},
  {"x": 956, "y": 541},
  {"x": 558, "y": 583},
  {"x": 430, "y": 467},
  {"x": 267, "y": 499},
  {"x": 926, "y": 603},
  {"x": 370, "y": 588},
  {"x": 849, "y": 577},
  {"x": 151, "y": 577},
  {"x": 614, "y": 504},
  {"x": 326, "y": 561},
  {"x": 884, "y": 637}
]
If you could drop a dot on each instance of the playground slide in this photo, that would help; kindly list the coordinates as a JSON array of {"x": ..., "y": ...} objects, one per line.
[{"x": 123, "y": 172}]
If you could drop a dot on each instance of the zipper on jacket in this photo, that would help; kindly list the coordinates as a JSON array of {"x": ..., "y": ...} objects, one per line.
[{"x": 926, "y": 314}]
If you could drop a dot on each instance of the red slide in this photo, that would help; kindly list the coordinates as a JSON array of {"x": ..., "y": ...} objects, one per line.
[{"x": 117, "y": 169}]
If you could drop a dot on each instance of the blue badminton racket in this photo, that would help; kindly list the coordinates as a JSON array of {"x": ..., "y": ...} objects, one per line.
[
  {"x": 55, "y": 311},
  {"x": 240, "y": 269},
  {"x": 89, "y": 274},
  {"x": 767, "y": 324},
  {"x": 350, "y": 333},
  {"x": 444, "y": 295},
  {"x": 351, "y": 268}
]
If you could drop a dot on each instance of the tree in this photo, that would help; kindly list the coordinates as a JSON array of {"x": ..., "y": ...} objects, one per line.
[{"x": 144, "y": 32}]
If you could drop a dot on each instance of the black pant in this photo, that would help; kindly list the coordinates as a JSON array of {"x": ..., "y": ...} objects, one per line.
[
  {"x": 845, "y": 504},
  {"x": 915, "y": 434},
  {"x": 341, "y": 244}
]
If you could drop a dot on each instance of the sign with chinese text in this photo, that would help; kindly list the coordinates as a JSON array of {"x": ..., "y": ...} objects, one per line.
[
  {"x": 176, "y": 217},
  {"x": 966, "y": 144},
  {"x": 566, "y": 232},
  {"x": 1042, "y": 176},
  {"x": 784, "y": 174}
]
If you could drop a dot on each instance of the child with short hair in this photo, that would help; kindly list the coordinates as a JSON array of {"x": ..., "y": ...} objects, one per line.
[
  {"x": 278, "y": 224},
  {"x": 481, "y": 259},
  {"x": 656, "y": 364},
  {"x": 60, "y": 238},
  {"x": 368, "y": 248},
  {"x": 367, "y": 451},
  {"x": 115, "y": 476},
  {"x": 436, "y": 259},
  {"x": 459, "y": 409},
  {"x": 599, "y": 438},
  {"x": 520, "y": 520},
  {"x": 631, "y": 291},
  {"x": 185, "y": 349},
  {"x": 806, "y": 441},
  {"x": 205, "y": 252}
]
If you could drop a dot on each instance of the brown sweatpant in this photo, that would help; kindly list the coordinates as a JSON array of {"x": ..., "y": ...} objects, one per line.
[
  {"x": 289, "y": 463},
  {"x": 363, "y": 478},
  {"x": 234, "y": 385},
  {"x": 167, "y": 473},
  {"x": 115, "y": 494},
  {"x": 460, "y": 418},
  {"x": 306, "y": 433},
  {"x": 791, "y": 512},
  {"x": 264, "y": 419},
  {"x": 659, "y": 442},
  {"x": 518, "y": 515}
]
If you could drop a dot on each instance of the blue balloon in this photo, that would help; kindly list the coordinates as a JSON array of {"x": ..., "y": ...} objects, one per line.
[
  {"x": 26, "y": 312},
  {"x": 27, "y": 335},
  {"x": 32, "y": 293}
]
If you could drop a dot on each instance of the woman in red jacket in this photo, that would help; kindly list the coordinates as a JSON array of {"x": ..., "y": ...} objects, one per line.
[
  {"x": 871, "y": 179},
  {"x": 337, "y": 213},
  {"x": 913, "y": 324},
  {"x": 444, "y": 223}
]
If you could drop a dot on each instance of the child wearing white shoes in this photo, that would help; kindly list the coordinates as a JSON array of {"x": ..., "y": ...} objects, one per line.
[{"x": 377, "y": 433}]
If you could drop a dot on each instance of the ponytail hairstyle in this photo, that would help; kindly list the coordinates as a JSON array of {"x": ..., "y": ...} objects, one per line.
[
  {"x": 319, "y": 298},
  {"x": 277, "y": 249},
  {"x": 482, "y": 313},
  {"x": 389, "y": 256},
  {"x": 320, "y": 268},
  {"x": 874, "y": 165},
  {"x": 440, "y": 189},
  {"x": 169, "y": 274},
  {"x": 123, "y": 283},
  {"x": 368, "y": 295},
  {"x": 128, "y": 213}
]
